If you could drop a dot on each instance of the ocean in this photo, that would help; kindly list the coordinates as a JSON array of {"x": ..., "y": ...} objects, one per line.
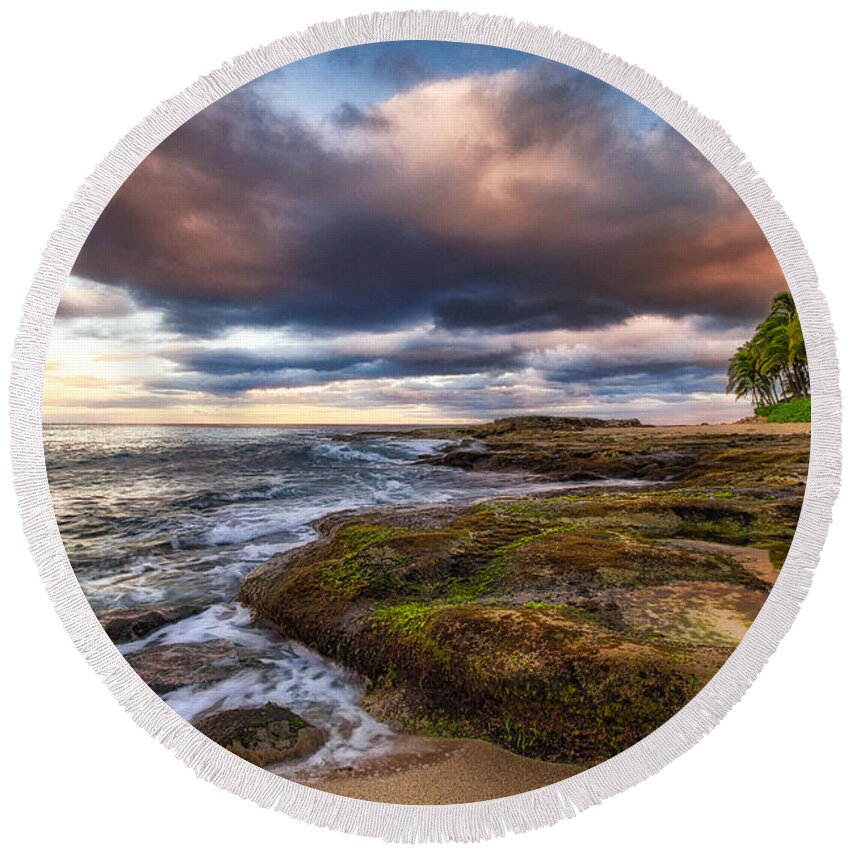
[{"x": 179, "y": 515}]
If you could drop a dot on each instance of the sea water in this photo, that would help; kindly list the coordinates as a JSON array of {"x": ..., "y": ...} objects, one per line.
[{"x": 179, "y": 515}]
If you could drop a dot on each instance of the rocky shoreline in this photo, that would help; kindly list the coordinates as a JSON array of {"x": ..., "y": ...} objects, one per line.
[
  {"x": 525, "y": 637},
  {"x": 560, "y": 626}
]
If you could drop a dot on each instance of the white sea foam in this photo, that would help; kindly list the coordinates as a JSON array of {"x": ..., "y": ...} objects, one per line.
[
  {"x": 223, "y": 621},
  {"x": 244, "y": 523},
  {"x": 184, "y": 514},
  {"x": 347, "y": 452},
  {"x": 291, "y": 675},
  {"x": 415, "y": 447}
]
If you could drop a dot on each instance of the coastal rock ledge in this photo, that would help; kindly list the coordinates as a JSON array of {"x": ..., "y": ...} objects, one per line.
[{"x": 564, "y": 625}]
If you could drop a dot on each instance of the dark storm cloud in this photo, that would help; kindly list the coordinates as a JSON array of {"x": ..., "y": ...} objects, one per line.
[
  {"x": 508, "y": 312},
  {"x": 672, "y": 376},
  {"x": 557, "y": 203},
  {"x": 235, "y": 361},
  {"x": 664, "y": 385},
  {"x": 208, "y": 214},
  {"x": 234, "y": 370}
]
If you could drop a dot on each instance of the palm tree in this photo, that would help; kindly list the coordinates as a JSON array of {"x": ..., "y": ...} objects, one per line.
[
  {"x": 772, "y": 366},
  {"x": 780, "y": 339},
  {"x": 747, "y": 378}
]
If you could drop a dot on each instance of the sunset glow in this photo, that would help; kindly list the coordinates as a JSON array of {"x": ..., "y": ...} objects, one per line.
[{"x": 413, "y": 232}]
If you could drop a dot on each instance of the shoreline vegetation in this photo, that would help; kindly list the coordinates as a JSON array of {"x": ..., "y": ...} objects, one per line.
[
  {"x": 772, "y": 367},
  {"x": 792, "y": 410},
  {"x": 557, "y": 628}
]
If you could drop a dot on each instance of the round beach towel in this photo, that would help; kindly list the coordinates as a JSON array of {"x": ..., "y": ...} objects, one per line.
[{"x": 420, "y": 411}]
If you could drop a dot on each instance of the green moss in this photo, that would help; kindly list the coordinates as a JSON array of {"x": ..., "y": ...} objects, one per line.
[
  {"x": 508, "y": 620},
  {"x": 346, "y": 578},
  {"x": 724, "y": 530},
  {"x": 353, "y": 537},
  {"x": 525, "y": 539},
  {"x": 778, "y": 553},
  {"x": 405, "y": 619},
  {"x": 363, "y": 560},
  {"x": 484, "y": 581}
]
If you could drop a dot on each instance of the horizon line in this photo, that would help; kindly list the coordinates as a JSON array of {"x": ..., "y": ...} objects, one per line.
[{"x": 363, "y": 426}]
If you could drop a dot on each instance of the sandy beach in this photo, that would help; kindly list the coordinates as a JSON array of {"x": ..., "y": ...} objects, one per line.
[
  {"x": 441, "y": 770},
  {"x": 723, "y": 428}
]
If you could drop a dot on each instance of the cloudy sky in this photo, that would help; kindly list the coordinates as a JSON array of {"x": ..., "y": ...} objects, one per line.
[{"x": 413, "y": 232}]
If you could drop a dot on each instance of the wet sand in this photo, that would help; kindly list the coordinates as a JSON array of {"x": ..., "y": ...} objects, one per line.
[{"x": 430, "y": 771}]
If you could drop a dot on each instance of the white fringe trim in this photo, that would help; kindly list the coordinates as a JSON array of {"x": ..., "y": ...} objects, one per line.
[{"x": 471, "y": 821}]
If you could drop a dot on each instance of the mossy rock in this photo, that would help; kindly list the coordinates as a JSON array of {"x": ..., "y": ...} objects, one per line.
[
  {"x": 586, "y": 561},
  {"x": 515, "y": 620},
  {"x": 262, "y": 735},
  {"x": 685, "y": 456},
  {"x": 542, "y": 682},
  {"x": 454, "y": 620}
]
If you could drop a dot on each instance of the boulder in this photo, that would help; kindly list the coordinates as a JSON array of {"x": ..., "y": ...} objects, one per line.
[
  {"x": 127, "y": 624},
  {"x": 166, "y": 667},
  {"x": 262, "y": 735}
]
